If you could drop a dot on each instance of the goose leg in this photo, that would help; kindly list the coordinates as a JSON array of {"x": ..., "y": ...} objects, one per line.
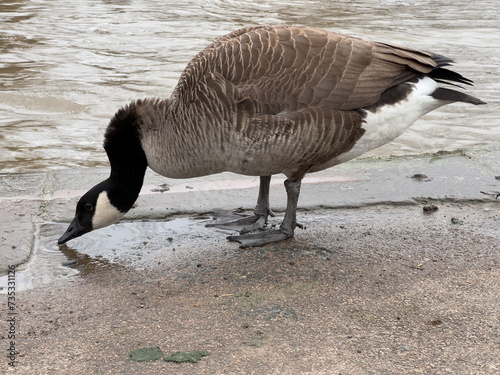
[
  {"x": 246, "y": 224},
  {"x": 287, "y": 227}
]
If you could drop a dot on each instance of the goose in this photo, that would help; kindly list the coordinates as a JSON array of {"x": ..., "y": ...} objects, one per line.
[{"x": 265, "y": 100}]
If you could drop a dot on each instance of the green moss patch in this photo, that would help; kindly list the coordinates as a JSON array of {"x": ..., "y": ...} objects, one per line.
[
  {"x": 181, "y": 357},
  {"x": 146, "y": 354}
]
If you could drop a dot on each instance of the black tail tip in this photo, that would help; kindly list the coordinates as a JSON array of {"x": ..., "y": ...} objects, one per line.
[{"x": 456, "y": 96}]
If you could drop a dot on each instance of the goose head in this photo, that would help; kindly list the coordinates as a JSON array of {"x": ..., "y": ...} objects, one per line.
[{"x": 103, "y": 205}]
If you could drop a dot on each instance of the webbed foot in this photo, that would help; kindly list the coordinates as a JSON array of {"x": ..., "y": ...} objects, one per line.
[
  {"x": 242, "y": 223},
  {"x": 252, "y": 232},
  {"x": 287, "y": 228},
  {"x": 261, "y": 237}
]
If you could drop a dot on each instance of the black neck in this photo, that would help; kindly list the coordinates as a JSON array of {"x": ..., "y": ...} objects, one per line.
[{"x": 126, "y": 156}]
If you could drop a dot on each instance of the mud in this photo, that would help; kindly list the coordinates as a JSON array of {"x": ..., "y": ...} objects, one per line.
[
  {"x": 374, "y": 290},
  {"x": 392, "y": 274}
]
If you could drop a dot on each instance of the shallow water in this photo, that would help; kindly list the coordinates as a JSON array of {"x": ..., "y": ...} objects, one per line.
[
  {"x": 136, "y": 245},
  {"x": 66, "y": 68}
]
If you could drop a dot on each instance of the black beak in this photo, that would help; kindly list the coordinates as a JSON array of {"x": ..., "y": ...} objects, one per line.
[{"x": 74, "y": 230}]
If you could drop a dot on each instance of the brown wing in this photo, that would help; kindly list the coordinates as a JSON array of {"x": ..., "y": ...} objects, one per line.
[
  {"x": 281, "y": 99},
  {"x": 290, "y": 68}
]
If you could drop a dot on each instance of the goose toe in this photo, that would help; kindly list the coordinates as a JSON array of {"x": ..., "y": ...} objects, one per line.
[
  {"x": 242, "y": 223},
  {"x": 261, "y": 237}
]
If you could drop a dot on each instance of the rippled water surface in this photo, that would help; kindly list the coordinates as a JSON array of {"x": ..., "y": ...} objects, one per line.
[{"x": 65, "y": 67}]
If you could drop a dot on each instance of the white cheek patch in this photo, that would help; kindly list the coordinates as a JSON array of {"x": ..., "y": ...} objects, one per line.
[{"x": 105, "y": 213}]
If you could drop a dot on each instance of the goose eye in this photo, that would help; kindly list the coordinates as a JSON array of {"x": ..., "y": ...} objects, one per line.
[{"x": 88, "y": 206}]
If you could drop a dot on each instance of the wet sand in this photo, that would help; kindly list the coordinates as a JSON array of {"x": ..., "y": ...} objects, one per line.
[
  {"x": 375, "y": 285},
  {"x": 377, "y": 290}
]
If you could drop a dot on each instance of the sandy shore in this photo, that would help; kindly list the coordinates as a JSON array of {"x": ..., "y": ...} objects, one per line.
[{"x": 373, "y": 285}]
